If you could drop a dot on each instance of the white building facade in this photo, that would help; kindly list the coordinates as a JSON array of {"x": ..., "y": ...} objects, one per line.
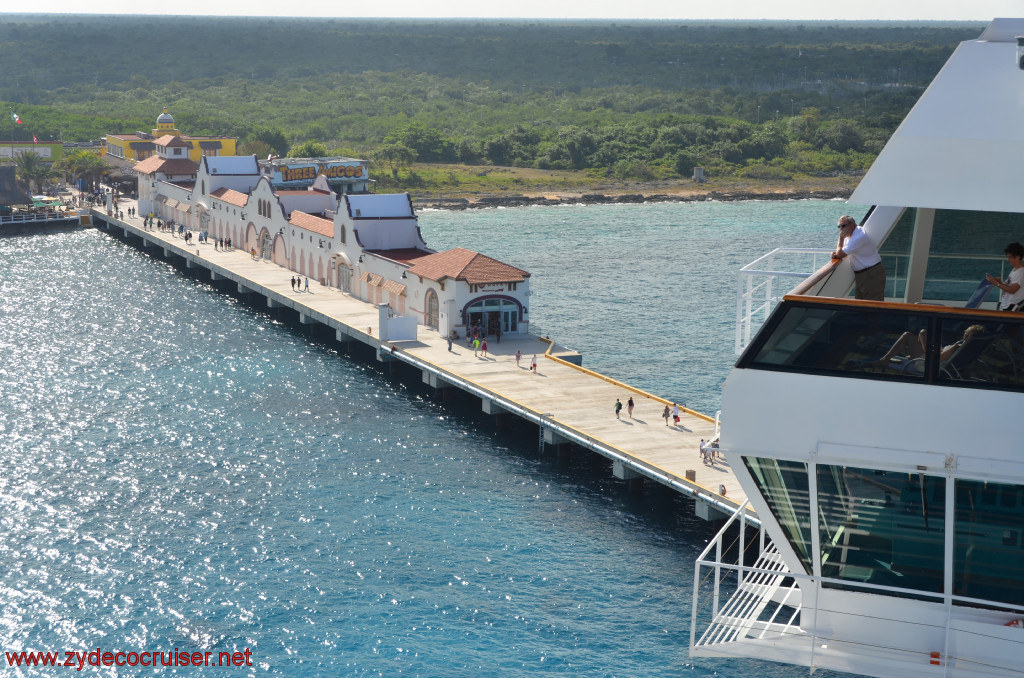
[{"x": 367, "y": 245}]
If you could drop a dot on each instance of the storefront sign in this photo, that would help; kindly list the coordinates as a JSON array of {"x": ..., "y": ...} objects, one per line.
[{"x": 289, "y": 173}]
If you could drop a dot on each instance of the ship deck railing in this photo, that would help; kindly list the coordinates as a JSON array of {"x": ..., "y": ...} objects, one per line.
[
  {"x": 764, "y": 281},
  {"x": 733, "y": 601},
  {"x": 759, "y": 611}
]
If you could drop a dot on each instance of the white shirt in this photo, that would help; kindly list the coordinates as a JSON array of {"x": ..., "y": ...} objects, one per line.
[
  {"x": 861, "y": 251},
  {"x": 1007, "y": 300}
]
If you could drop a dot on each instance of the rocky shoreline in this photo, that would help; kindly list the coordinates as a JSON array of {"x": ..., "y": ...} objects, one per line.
[{"x": 484, "y": 202}]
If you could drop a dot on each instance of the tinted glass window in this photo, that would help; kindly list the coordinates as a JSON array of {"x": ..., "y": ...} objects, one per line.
[
  {"x": 988, "y": 550},
  {"x": 881, "y": 527},
  {"x": 880, "y": 343},
  {"x": 783, "y": 484}
]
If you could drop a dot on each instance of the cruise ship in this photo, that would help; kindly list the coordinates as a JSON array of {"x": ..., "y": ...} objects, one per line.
[{"x": 884, "y": 534}]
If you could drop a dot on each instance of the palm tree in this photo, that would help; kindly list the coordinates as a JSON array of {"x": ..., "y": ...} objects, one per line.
[
  {"x": 83, "y": 164},
  {"x": 29, "y": 168}
]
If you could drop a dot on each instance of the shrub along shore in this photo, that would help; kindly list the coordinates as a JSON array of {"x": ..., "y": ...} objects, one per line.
[{"x": 523, "y": 188}]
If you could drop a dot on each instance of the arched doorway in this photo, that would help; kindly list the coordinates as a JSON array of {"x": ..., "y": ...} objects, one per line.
[
  {"x": 432, "y": 317},
  {"x": 280, "y": 256},
  {"x": 266, "y": 248},
  {"x": 344, "y": 277},
  {"x": 494, "y": 315},
  {"x": 204, "y": 218}
]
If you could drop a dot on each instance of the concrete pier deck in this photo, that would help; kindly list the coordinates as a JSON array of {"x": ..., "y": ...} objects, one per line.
[{"x": 570, "y": 404}]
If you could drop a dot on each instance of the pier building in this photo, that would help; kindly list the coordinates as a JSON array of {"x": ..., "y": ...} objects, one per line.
[
  {"x": 368, "y": 246},
  {"x": 141, "y": 145}
]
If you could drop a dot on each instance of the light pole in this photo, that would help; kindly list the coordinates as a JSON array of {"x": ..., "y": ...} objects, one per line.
[
  {"x": 759, "y": 114},
  {"x": 792, "y": 108}
]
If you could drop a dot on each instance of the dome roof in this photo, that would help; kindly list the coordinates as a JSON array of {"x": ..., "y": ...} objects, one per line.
[{"x": 164, "y": 118}]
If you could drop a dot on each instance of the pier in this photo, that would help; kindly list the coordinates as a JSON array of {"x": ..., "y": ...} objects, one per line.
[{"x": 570, "y": 404}]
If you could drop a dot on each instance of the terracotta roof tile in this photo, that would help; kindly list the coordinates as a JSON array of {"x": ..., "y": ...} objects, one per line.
[
  {"x": 393, "y": 287},
  {"x": 155, "y": 163},
  {"x": 310, "y": 222},
  {"x": 170, "y": 141},
  {"x": 371, "y": 278},
  {"x": 231, "y": 196},
  {"x": 462, "y": 264}
]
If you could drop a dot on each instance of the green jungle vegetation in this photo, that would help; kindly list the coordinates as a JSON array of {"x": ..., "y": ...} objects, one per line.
[{"x": 629, "y": 101}]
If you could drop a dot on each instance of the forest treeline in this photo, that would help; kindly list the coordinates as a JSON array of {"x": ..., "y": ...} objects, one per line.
[{"x": 635, "y": 99}]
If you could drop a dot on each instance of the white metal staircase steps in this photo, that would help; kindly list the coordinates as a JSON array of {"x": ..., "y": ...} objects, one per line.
[{"x": 742, "y": 611}]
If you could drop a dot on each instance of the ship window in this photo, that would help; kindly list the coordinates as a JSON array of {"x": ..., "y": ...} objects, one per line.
[
  {"x": 881, "y": 527},
  {"x": 988, "y": 555},
  {"x": 892, "y": 344},
  {"x": 963, "y": 244},
  {"x": 783, "y": 484},
  {"x": 822, "y": 339}
]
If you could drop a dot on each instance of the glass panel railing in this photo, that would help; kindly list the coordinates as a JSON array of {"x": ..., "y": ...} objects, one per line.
[{"x": 897, "y": 341}]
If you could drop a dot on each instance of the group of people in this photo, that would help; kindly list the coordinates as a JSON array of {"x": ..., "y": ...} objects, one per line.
[
  {"x": 297, "y": 283},
  {"x": 666, "y": 414},
  {"x": 629, "y": 407},
  {"x": 674, "y": 413},
  {"x": 710, "y": 452}
]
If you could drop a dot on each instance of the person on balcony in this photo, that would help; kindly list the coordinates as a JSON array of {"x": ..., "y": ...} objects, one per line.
[
  {"x": 1013, "y": 287},
  {"x": 868, "y": 271}
]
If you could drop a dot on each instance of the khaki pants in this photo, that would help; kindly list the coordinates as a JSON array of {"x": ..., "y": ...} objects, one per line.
[{"x": 870, "y": 283}]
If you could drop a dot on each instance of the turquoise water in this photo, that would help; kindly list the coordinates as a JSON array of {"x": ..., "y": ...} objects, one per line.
[
  {"x": 184, "y": 471},
  {"x": 646, "y": 293}
]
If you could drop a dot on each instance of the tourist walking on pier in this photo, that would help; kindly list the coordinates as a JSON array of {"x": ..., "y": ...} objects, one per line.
[
  {"x": 629, "y": 406},
  {"x": 449, "y": 342},
  {"x": 307, "y": 283},
  {"x": 533, "y": 364},
  {"x": 675, "y": 413},
  {"x": 476, "y": 347},
  {"x": 665, "y": 414},
  {"x": 519, "y": 356},
  {"x": 618, "y": 407},
  {"x": 293, "y": 283},
  {"x": 483, "y": 347}
]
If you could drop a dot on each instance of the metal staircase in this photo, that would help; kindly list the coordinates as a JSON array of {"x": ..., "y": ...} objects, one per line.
[{"x": 734, "y": 602}]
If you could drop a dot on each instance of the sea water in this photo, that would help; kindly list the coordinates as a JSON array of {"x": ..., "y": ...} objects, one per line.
[
  {"x": 646, "y": 292},
  {"x": 183, "y": 471}
]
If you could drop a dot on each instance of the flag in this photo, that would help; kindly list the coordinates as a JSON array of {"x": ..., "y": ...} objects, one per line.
[
  {"x": 15, "y": 118},
  {"x": 34, "y": 140}
]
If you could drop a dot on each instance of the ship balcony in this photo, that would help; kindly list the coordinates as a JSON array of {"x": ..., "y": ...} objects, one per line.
[
  {"x": 763, "y": 610},
  {"x": 766, "y": 281}
]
